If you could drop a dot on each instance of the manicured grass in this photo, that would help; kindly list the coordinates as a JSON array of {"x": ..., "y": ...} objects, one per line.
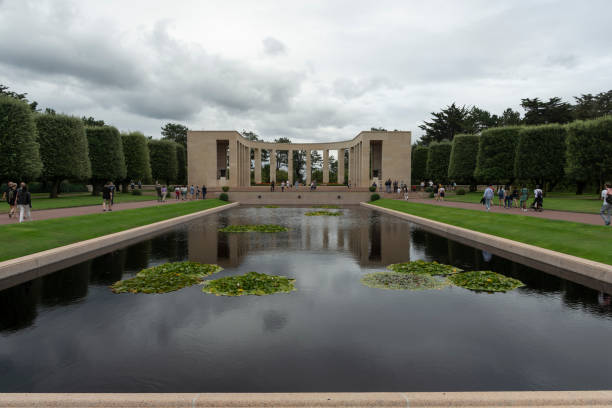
[
  {"x": 22, "y": 239},
  {"x": 552, "y": 201},
  {"x": 77, "y": 200},
  {"x": 582, "y": 240}
]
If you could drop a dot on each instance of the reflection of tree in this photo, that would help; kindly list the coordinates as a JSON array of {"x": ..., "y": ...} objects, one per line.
[
  {"x": 108, "y": 268},
  {"x": 172, "y": 246},
  {"x": 375, "y": 240},
  {"x": 137, "y": 256},
  {"x": 274, "y": 320},
  {"x": 67, "y": 285},
  {"x": 18, "y": 305}
]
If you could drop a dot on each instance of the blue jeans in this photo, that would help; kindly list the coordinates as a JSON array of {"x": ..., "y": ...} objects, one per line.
[
  {"x": 606, "y": 209},
  {"x": 488, "y": 203}
]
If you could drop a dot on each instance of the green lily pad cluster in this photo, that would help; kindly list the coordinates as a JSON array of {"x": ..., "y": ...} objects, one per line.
[
  {"x": 252, "y": 283},
  {"x": 166, "y": 278},
  {"x": 254, "y": 228},
  {"x": 486, "y": 281},
  {"x": 403, "y": 281},
  {"x": 424, "y": 268},
  {"x": 270, "y": 206},
  {"x": 329, "y": 206},
  {"x": 324, "y": 213}
]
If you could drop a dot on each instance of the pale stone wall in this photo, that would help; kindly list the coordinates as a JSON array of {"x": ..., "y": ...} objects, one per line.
[{"x": 203, "y": 160}]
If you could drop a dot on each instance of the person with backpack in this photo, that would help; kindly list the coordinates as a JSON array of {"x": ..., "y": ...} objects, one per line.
[
  {"x": 539, "y": 199},
  {"x": 158, "y": 191},
  {"x": 24, "y": 202},
  {"x": 606, "y": 207},
  {"x": 203, "y": 192},
  {"x": 107, "y": 196},
  {"x": 488, "y": 196},
  {"x": 524, "y": 196},
  {"x": 9, "y": 196},
  {"x": 501, "y": 194}
]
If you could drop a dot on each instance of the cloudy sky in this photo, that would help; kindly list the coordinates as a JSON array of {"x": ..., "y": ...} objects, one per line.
[{"x": 309, "y": 70}]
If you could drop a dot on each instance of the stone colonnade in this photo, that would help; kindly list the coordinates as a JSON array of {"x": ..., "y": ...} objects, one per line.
[{"x": 211, "y": 163}]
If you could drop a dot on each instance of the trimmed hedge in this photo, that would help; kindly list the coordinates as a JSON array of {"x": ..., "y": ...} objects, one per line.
[
  {"x": 374, "y": 197},
  {"x": 181, "y": 164},
  {"x": 137, "y": 161},
  {"x": 437, "y": 161},
  {"x": 462, "y": 162},
  {"x": 162, "y": 154},
  {"x": 223, "y": 197},
  {"x": 496, "y": 152},
  {"x": 19, "y": 150},
  {"x": 64, "y": 149},
  {"x": 419, "y": 164},
  {"x": 105, "y": 154},
  {"x": 540, "y": 154},
  {"x": 589, "y": 148}
]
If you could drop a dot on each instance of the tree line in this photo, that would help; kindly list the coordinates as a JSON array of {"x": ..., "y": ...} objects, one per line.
[{"x": 51, "y": 148}]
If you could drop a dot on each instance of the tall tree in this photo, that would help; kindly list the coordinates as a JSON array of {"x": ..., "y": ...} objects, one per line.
[
  {"x": 175, "y": 132},
  {"x": 181, "y": 164},
  {"x": 463, "y": 159},
  {"x": 477, "y": 120},
  {"x": 137, "y": 161},
  {"x": 4, "y": 90},
  {"x": 590, "y": 106},
  {"x": 163, "y": 160},
  {"x": 538, "y": 112},
  {"x": 540, "y": 154},
  {"x": 496, "y": 152},
  {"x": 282, "y": 157},
  {"x": 509, "y": 118},
  {"x": 106, "y": 156},
  {"x": 252, "y": 136},
  {"x": 19, "y": 149},
  {"x": 92, "y": 122},
  {"x": 64, "y": 149},
  {"x": 445, "y": 124},
  {"x": 419, "y": 163},
  {"x": 437, "y": 161}
]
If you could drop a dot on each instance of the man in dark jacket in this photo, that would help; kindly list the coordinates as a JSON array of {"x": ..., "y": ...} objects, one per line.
[{"x": 24, "y": 202}]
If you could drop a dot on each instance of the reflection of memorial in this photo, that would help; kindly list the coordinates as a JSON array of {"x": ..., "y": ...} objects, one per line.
[{"x": 371, "y": 243}]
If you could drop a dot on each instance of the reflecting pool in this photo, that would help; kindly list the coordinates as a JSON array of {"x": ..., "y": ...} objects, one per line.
[{"x": 67, "y": 332}]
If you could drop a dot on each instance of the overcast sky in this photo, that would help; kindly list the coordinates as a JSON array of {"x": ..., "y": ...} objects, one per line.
[{"x": 308, "y": 70}]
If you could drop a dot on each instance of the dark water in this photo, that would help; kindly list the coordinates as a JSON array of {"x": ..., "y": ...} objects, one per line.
[{"x": 67, "y": 332}]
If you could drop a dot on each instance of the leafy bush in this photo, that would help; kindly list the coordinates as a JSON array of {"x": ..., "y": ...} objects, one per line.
[
  {"x": 540, "y": 154},
  {"x": 223, "y": 197},
  {"x": 270, "y": 206},
  {"x": 162, "y": 154},
  {"x": 374, "y": 197},
  {"x": 402, "y": 281},
  {"x": 137, "y": 160},
  {"x": 19, "y": 150},
  {"x": 372, "y": 189},
  {"x": 431, "y": 195},
  {"x": 419, "y": 164},
  {"x": 496, "y": 152},
  {"x": 181, "y": 164},
  {"x": 252, "y": 283},
  {"x": 437, "y": 161},
  {"x": 329, "y": 206},
  {"x": 421, "y": 267},
  {"x": 254, "y": 228},
  {"x": 137, "y": 192},
  {"x": 462, "y": 162},
  {"x": 485, "y": 281},
  {"x": 429, "y": 189},
  {"x": 166, "y": 278},
  {"x": 105, "y": 154},
  {"x": 324, "y": 213},
  {"x": 589, "y": 149},
  {"x": 225, "y": 188},
  {"x": 460, "y": 192}
]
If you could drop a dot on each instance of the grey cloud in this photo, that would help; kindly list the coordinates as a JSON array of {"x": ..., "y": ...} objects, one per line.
[
  {"x": 274, "y": 47},
  {"x": 351, "y": 88}
]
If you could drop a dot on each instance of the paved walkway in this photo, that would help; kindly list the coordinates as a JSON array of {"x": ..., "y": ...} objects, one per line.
[
  {"x": 585, "y": 218},
  {"x": 89, "y": 209}
]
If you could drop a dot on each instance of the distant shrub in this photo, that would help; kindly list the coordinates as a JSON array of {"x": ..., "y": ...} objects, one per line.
[
  {"x": 372, "y": 189},
  {"x": 225, "y": 188},
  {"x": 137, "y": 192},
  {"x": 428, "y": 189},
  {"x": 374, "y": 197},
  {"x": 461, "y": 192},
  {"x": 223, "y": 197},
  {"x": 431, "y": 195}
]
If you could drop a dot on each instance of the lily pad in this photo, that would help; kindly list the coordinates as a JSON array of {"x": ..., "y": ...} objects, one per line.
[
  {"x": 270, "y": 206},
  {"x": 486, "y": 281},
  {"x": 329, "y": 206},
  {"x": 324, "y": 213},
  {"x": 402, "y": 281},
  {"x": 254, "y": 228},
  {"x": 166, "y": 278},
  {"x": 424, "y": 268},
  {"x": 252, "y": 283}
]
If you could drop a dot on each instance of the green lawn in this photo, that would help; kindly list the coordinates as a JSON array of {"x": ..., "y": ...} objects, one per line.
[
  {"x": 552, "y": 201},
  {"x": 43, "y": 202},
  {"x": 583, "y": 240},
  {"x": 22, "y": 239}
]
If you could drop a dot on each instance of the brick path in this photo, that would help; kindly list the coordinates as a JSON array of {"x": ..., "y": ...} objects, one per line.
[
  {"x": 585, "y": 218},
  {"x": 89, "y": 209}
]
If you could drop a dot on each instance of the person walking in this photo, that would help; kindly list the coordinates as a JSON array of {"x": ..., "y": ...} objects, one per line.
[
  {"x": 441, "y": 192},
  {"x": 203, "y": 191},
  {"x": 538, "y": 199},
  {"x": 606, "y": 207},
  {"x": 488, "y": 196},
  {"x": 132, "y": 185},
  {"x": 9, "y": 196},
  {"x": 184, "y": 193},
  {"x": 272, "y": 185},
  {"x": 191, "y": 192},
  {"x": 197, "y": 192},
  {"x": 158, "y": 191},
  {"x": 508, "y": 197},
  {"x": 524, "y": 196},
  {"x": 24, "y": 202},
  {"x": 501, "y": 195},
  {"x": 164, "y": 193},
  {"x": 107, "y": 197},
  {"x": 283, "y": 186},
  {"x": 140, "y": 184},
  {"x": 177, "y": 193},
  {"x": 435, "y": 191}
]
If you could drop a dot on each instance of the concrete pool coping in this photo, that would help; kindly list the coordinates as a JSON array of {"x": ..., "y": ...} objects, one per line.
[
  {"x": 565, "y": 265},
  {"x": 22, "y": 269},
  {"x": 379, "y": 399}
]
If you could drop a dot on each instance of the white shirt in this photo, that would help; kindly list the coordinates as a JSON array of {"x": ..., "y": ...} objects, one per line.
[{"x": 604, "y": 194}]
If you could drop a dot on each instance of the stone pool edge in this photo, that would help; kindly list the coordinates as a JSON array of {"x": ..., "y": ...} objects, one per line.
[
  {"x": 15, "y": 267},
  {"x": 366, "y": 399},
  {"x": 585, "y": 267}
]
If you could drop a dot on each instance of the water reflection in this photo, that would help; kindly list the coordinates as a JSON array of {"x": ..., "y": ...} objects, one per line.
[{"x": 331, "y": 327}]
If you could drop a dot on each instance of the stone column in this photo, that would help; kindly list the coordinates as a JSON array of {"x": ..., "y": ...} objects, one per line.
[
  {"x": 257, "y": 153},
  {"x": 290, "y": 166},
  {"x": 308, "y": 168},
  {"x": 340, "y": 166},
  {"x": 325, "y": 166},
  {"x": 351, "y": 169},
  {"x": 273, "y": 165},
  {"x": 365, "y": 163},
  {"x": 233, "y": 164},
  {"x": 240, "y": 164},
  {"x": 247, "y": 167}
]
